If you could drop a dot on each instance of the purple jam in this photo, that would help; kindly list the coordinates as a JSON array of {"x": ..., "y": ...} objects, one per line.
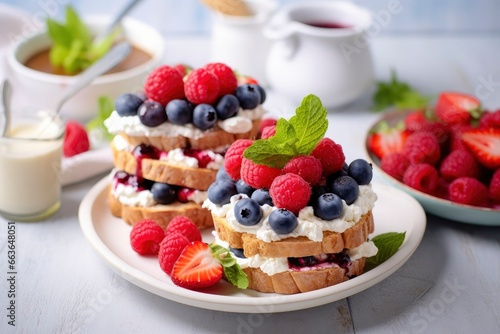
[{"x": 320, "y": 261}]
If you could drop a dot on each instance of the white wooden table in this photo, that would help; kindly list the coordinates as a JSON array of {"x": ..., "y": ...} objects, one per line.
[{"x": 450, "y": 284}]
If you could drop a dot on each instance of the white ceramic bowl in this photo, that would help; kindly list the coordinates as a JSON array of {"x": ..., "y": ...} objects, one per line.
[{"x": 45, "y": 88}]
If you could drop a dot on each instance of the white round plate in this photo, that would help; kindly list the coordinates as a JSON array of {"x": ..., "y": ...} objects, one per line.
[
  {"x": 395, "y": 211},
  {"x": 437, "y": 206}
]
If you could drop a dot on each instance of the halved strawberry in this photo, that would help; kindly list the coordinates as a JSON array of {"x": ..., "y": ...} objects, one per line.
[
  {"x": 457, "y": 108},
  {"x": 384, "y": 139},
  {"x": 484, "y": 145},
  {"x": 196, "y": 267}
]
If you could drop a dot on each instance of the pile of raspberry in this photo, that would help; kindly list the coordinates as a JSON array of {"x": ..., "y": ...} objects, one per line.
[
  {"x": 322, "y": 180},
  {"x": 183, "y": 95},
  {"x": 438, "y": 158}
]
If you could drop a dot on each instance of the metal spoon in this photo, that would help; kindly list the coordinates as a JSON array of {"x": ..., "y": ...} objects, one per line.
[
  {"x": 4, "y": 111},
  {"x": 116, "y": 20},
  {"x": 101, "y": 66}
]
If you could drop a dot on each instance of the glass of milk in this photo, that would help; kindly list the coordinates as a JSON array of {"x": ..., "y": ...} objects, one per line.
[{"x": 30, "y": 168}]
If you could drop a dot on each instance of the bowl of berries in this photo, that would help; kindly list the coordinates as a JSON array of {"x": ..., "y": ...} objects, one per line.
[{"x": 447, "y": 156}]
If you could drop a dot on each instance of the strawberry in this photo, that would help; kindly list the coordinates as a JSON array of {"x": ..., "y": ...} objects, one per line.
[
  {"x": 76, "y": 139},
  {"x": 385, "y": 139},
  {"x": 196, "y": 267},
  {"x": 457, "y": 108},
  {"x": 484, "y": 144}
]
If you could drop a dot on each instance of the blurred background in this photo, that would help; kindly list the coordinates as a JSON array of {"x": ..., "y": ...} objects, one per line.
[{"x": 191, "y": 17}]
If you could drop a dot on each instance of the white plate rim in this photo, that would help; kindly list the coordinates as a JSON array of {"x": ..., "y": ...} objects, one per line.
[{"x": 265, "y": 303}]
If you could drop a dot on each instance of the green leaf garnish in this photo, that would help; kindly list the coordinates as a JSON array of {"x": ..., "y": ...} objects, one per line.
[
  {"x": 232, "y": 271},
  {"x": 73, "y": 48},
  {"x": 96, "y": 125},
  {"x": 397, "y": 94},
  {"x": 298, "y": 136},
  {"x": 387, "y": 244}
]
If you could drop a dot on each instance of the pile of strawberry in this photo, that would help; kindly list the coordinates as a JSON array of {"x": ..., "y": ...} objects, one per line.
[
  {"x": 451, "y": 151},
  {"x": 190, "y": 262}
]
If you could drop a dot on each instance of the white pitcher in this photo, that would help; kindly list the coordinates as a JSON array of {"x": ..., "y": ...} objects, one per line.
[{"x": 320, "y": 48}]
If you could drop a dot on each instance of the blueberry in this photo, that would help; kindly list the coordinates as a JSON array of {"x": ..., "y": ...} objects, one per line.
[
  {"x": 223, "y": 175},
  {"x": 328, "y": 206},
  {"x": 346, "y": 188},
  {"x": 243, "y": 188},
  {"x": 204, "y": 116},
  {"x": 361, "y": 171},
  {"x": 248, "y": 95},
  {"x": 262, "y": 197},
  {"x": 220, "y": 192},
  {"x": 247, "y": 212},
  {"x": 127, "y": 104},
  {"x": 282, "y": 221},
  {"x": 238, "y": 252},
  {"x": 227, "y": 106},
  {"x": 262, "y": 94},
  {"x": 179, "y": 112},
  {"x": 152, "y": 113},
  {"x": 163, "y": 193},
  {"x": 316, "y": 192}
]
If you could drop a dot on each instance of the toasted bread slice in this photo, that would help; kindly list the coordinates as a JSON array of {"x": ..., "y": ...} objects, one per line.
[
  {"x": 332, "y": 242},
  {"x": 162, "y": 171},
  {"x": 161, "y": 214},
  {"x": 211, "y": 139},
  {"x": 290, "y": 282}
]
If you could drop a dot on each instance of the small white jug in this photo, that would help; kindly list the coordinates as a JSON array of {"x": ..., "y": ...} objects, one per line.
[{"x": 320, "y": 48}]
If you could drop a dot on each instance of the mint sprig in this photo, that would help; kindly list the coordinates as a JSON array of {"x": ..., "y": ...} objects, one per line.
[
  {"x": 397, "y": 94},
  {"x": 298, "y": 136},
  {"x": 73, "y": 48},
  {"x": 232, "y": 271},
  {"x": 387, "y": 244}
]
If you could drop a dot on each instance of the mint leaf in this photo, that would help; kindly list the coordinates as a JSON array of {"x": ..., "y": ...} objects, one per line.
[
  {"x": 96, "y": 124},
  {"x": 387, "y": 244},
  {"x": 397, "y": 94},
  {"x": 310, "y": 124},
  {"x": 77, "y": 28},
  {"x": 232, "y": 271},
  {"x": 299, "y": 136}
]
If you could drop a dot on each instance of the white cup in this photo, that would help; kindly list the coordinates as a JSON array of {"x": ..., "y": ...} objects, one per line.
[{"x": 238, "y": 41}]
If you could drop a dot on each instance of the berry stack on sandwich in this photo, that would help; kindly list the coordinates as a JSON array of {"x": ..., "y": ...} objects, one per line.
[
  {"x": 290, "y": 208},
  {"x": 170, "y": 140}
]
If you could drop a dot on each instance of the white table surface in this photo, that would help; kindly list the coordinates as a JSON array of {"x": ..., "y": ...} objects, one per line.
[{"x": 451, "y": 283}]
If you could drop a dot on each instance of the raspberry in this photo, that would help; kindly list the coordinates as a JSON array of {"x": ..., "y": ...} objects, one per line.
[
  {"x": 201, "y": 86},
  {"x": 494, "y": 191},
  {"x": 456, "y": 132},
  {"x": 415, "y": 120},
  {"x": 146, "y": 236},
  {"x": 440, "y": 130},
  {"x": 422, "y": 177},
  {"x": 225, "y": 75},
  {"x": 291, "y": 192},
  {"x": 395, "y": 164},
  {"x": 258, "y": 176},
  {"x": 457, "y": 164},
  {"x": 184, "y": 226},
  {"x": 307, "y": 167},
  {"x": 267, "y": 122},
  {"x": 330, "y": 155},
  {"x": 467, "y": 190},
  {"x": 268, "y": 132},
  {"x": 490, "y": 119},
  {"x": 164, "y": 84},
  {"x": 170, "y": 249},
  {"x": 422, "y": 147},
  {"x": 183, "y": 69},
  {"x": 76, "y": 139},
  {"x": 233, "y": 157}
]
